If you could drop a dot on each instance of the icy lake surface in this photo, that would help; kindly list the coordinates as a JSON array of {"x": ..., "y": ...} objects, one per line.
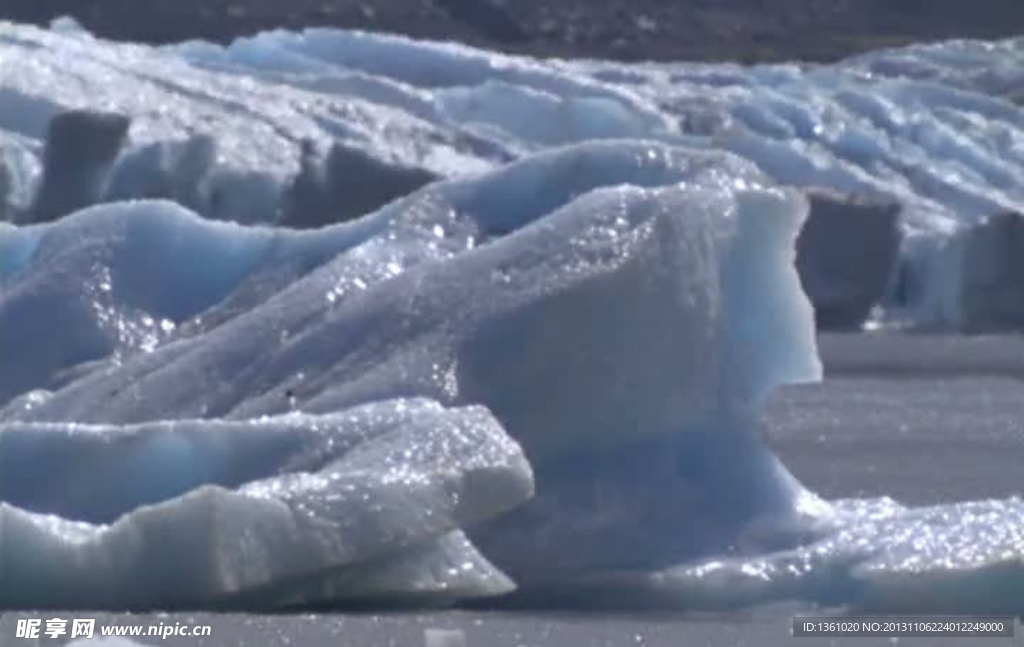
[{"x": 540, "y": 369}]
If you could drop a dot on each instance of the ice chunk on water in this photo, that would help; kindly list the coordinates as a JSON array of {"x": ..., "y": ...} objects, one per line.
[
  {"x": 173, "y": 170},
  {"x": 586, "y": 319},
  {"x": 321, "y": 495},
  {"x": 256, "y": 128},
  {"x": 714, "y": 261}
]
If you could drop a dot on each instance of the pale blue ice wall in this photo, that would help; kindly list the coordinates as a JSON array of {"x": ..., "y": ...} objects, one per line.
[{"x": 933, "y": 127}]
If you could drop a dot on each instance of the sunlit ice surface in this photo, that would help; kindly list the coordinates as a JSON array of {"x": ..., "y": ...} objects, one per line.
[{"x": 540, "y": 372}]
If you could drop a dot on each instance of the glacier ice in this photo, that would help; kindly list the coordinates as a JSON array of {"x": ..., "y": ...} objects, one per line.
[
  {"x": 270, "y": 511},
  {"x": 934, "y": 128},
  {"x": 512, "y": 255},
  {"x": 879, "y": 557},
  {"x": 88, "y": 269},
  {"x": 354, "y": 318},
  {"x": 275, "y": 407},
  {"x": 982, "y": 268},
  {"x": 346, "y": 184}
]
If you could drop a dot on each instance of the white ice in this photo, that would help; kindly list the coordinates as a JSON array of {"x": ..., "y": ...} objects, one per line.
[
  {"x": 514, "y": 376},
  {"x": 643, "y": 299},
  {"x": 935, "y": 127}
]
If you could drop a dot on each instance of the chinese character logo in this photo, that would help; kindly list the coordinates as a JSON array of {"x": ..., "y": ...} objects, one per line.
[
  {"x": 56, "y": 627},
  {"x": 83, "y": 628},
  {"x": 28, "y": 628}
]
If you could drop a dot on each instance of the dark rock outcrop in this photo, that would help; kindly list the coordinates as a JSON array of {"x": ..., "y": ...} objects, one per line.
[
  {"x": 81, "y": 148},
  {"x": 990, "y": 289},
  {"x": 348, "y": 184},
  {"x": 848, "y": 256}
]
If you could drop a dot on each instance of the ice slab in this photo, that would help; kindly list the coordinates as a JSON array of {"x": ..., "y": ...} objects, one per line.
[
  {"x": 274, "y": 511},
  {"x": 597, "y": 319}
]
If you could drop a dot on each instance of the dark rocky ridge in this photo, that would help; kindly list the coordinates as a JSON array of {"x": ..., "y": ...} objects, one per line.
[{"x": 744, "y": 30}]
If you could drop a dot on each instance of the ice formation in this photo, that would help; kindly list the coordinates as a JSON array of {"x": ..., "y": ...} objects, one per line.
[
  {"x": 531, "y": 355},
  {"x": 984, "y": 269},
  {"x": 204, "y": 522},
  {"x": 674, "y": 309},
  {"x": 225, "y": 130}
]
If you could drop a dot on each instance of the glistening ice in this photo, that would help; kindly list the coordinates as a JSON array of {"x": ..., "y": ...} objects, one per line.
[{"x": 539, "y": 366}]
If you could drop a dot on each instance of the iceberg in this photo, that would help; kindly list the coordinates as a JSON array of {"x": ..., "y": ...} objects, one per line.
[
  {"x": 271, "y": 510},
  {"x": 331, "y": 318},
  {"x": 455, "y": 222},
  {"x": 599, "y": 317}
]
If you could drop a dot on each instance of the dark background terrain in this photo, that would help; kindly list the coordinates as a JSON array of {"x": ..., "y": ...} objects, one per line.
[{"x": 742, "y": 30}]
